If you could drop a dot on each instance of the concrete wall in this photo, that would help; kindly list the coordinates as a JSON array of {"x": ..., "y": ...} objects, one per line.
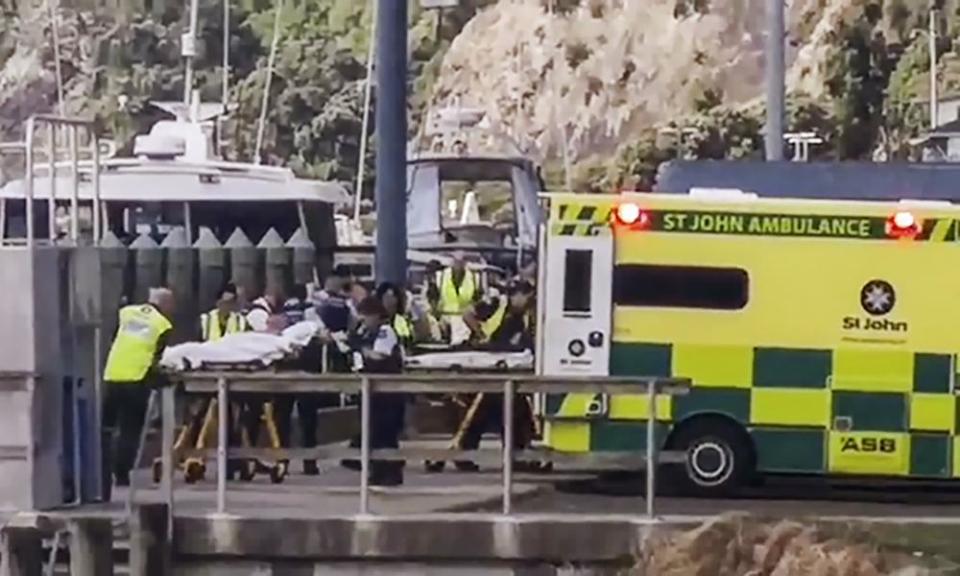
[{"x": 31, "y": 371}]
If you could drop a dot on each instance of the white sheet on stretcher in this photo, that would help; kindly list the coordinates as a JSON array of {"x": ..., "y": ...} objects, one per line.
[
  {"x": 241, "y": 348},
  {"x": 471, "y": 360}
]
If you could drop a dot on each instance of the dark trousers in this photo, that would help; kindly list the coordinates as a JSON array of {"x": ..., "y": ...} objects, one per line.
[
  {"x": 248, "y": 410},
  {"x": 124, "y": 415},
  {"x": 307, "y": 406},
  {"x": 387, "y": 413},
  {"x": 489, "y": 416}
]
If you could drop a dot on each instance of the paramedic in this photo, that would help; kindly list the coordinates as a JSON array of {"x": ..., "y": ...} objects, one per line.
[
  {"x": 430, "y": 293},
  {"x": 431, "y": 286},
  {"x": 261, "y": 309},
  {"x": 380, "y": 353},
  {"x": 502, "y": 325},
  {"x": 394, "y": 302},
  {"x": 130, "y": 374},
  {"x": 225, "y": 318},
  {"x": 265, "y": 314},
  {"x": 458, "y": 290},
  {"x": 214, "y": 325}
]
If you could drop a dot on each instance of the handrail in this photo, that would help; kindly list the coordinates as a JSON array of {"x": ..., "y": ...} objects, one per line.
[{"x": 222, "y": 383}]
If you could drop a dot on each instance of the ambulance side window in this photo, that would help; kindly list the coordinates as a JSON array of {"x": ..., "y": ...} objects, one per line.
[
  {"x": 701, "y": 287},
  {"x": 577, "y": 280}
]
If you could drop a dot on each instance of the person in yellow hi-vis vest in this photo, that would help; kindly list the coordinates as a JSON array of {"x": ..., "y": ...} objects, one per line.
[
  {"x": 130, "y": 374},
  {"x": 499, "y": 324},
  {"x": 223, "y": 320},
  {"x": 458, "y": 290}
]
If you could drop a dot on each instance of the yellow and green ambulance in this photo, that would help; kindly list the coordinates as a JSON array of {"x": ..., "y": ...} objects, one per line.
[{"x": 820, "y": 336}]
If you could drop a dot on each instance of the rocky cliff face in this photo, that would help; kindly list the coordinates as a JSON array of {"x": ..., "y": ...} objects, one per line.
[
  {"x": 606, "y": 68},
  {"x": 599, "y": 75}
]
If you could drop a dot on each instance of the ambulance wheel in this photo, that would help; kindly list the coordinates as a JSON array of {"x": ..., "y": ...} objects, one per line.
[
  {"x": 193, "y": 471},
  {"x": 719, "y": 456}
]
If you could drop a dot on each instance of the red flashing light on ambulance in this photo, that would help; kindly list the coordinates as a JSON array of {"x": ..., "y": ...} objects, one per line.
[
  {"x": 631, "y": 215},
  {"x": 903, "y": 225}
]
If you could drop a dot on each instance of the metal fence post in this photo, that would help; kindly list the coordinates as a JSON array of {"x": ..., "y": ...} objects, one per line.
[
  {"x": 29, "y": 208},
  {"x": 651, "y": 445},
  {"x": 141, "y": 443},
  {"x": 52, "y": 200},
  {"x": 365, "y": 445},
  {"x": 508, "y": 431},
  {"x": 168, "y": 425},
  {"x": 223, "y": 415},
  {"x": 74, "y": 185}
]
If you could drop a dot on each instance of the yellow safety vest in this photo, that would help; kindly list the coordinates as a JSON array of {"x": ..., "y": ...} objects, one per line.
[
  {"x": 211, "y": 331},
  {"x": 402, "y": 327},
  {"x": 134, "y": 348},
  {"x": 492, "y": 324},
  {"x": 452, "y": 301}
]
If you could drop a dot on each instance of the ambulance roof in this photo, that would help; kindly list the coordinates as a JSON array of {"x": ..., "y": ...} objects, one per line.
[
  {"x": 718, "y": 197},
  {"x": 816, "y": 180}
]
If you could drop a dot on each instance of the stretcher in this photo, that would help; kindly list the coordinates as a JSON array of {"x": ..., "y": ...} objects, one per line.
[
  {"x": 473, "y": 361},
  {"x": 468, "y": 361},
  {"x": 245, "y": 351}
]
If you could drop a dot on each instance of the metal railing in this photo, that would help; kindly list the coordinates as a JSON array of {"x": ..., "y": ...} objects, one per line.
[{"x": 222, "y": 384}]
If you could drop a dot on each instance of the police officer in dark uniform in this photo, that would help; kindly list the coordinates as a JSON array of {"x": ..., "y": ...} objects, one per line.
[
  {"x": 294, "y": 310},
  {"x": 378, "y": 350},
  {"x": 333, "y": 307}
]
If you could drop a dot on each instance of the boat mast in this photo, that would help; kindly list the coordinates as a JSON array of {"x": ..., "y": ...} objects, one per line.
[{"x": 188, "y": 49}]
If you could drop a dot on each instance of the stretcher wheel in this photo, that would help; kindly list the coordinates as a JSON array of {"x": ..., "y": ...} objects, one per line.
[
  {"x": 193, "y": 471},
  {"x": 278, "y": 473},
  {"x": 247, "y": 472},
  {"x": 434, "y": 466}
]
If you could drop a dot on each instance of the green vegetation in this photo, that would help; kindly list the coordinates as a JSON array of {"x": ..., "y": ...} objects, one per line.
[
  {"x": 877, "y": 82},
  {"x": 876, "y": 74}
]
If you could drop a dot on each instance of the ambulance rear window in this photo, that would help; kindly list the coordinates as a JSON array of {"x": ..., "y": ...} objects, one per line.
[
  {"x": 578, "y": 280},
  {"x": 700, "y": 287}
]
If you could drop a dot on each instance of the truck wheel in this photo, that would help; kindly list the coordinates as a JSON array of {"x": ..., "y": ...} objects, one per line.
[{"x": 719, "y": 457}]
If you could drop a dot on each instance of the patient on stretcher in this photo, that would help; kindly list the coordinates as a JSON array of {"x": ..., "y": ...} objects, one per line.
[{"x": 277, "y": 343}]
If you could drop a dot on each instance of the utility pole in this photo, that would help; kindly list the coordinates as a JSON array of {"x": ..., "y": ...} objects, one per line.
[
  {"x": 391, "y": 127},
  {"x": 773, "y": 138},
  {"x": 932, "y": 45}
]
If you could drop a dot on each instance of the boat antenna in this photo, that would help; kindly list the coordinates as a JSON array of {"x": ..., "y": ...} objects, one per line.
[
  {"x": 266, "y": 87},
  {"x": 368, "y": 85},
  {"x": 225, "y": 89},
  {"x": 188, "y": 49}
]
